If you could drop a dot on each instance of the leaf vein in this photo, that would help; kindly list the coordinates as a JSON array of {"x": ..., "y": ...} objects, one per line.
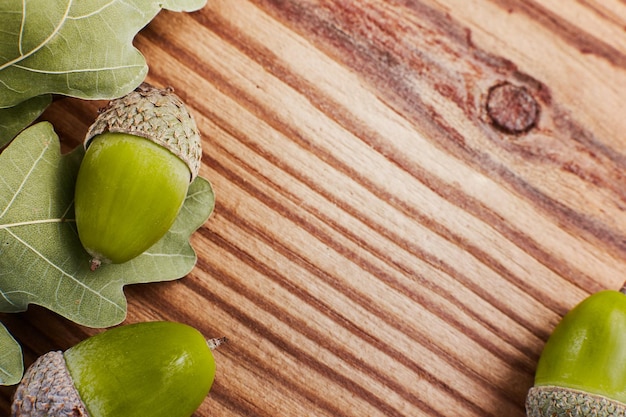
[
  {"x": 25, "y": 180},
  {"x": 22, "y": 26},
  {"x": 63, "y": 273},
  {"x": 33, "y": 222},
  {"x": 42, "y": 44},
  {"x": 95, "y": 12},
  {"x": 78, "y": 70}
]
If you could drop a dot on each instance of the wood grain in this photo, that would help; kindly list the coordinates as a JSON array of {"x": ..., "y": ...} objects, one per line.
[{"x": 381, "y": 246}]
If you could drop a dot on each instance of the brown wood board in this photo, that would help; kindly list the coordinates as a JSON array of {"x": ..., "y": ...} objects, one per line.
[{"x": 410, "y": 195}]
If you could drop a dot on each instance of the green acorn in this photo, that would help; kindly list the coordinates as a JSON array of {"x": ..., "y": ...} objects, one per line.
[
  {"x": 156, "y": 369},
  {"x": 582, "y": 369},
  {"x": 142, "y": 153}
]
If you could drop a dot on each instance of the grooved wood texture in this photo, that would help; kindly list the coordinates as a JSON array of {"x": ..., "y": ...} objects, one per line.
[{"x": 380, "y": 245}]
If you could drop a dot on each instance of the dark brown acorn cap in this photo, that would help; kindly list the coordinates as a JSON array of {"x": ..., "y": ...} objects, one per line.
[
  {"x": 47, "y": 390},
  {"x": 551, "y": 401},
  {"x": 155, "y": 114}
]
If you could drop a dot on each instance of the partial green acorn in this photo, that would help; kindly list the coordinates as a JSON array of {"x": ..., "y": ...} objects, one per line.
[
  {"x": 156, "y": 369},
  {"x": 582, "y": 369},
  {"x": 142, "y": 153}
]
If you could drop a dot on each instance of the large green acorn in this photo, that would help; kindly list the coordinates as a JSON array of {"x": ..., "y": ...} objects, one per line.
[
  {"x": 582, "y": 369},
  {"x": 142, "y": 153},
  {"x": 156, "y": 369}
]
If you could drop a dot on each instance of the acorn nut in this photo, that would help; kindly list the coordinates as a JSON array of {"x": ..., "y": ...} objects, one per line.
[
  {"x": 582, "y": 369},
  {"x": 142, "y": 153},
  {"x": 157, "y": 369}
]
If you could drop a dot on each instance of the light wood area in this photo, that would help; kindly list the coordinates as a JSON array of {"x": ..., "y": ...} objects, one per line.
[{"x": 410, "y": 195}]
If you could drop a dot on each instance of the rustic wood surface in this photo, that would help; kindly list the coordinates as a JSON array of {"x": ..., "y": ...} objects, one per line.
[{"x": 410, "y": 194}]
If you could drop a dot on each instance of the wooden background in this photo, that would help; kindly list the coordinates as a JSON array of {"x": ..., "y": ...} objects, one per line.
[{"x": 389, "y": 239}]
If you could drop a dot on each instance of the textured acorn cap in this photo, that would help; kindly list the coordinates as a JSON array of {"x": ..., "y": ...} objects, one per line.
[
  {"x": 155, "y": 114},
  {"x": 47, "y": 390},
  {"x": 551, "y": 401}
]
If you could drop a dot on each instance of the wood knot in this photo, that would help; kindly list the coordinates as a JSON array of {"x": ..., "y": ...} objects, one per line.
[{"x": 512, "y": 109}]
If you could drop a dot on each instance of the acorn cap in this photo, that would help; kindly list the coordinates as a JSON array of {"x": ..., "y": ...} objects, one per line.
[
  {"x": 155, "y": 114},
  {"x": 551, "y": 401},
  {"x": 47, "y": 390}
]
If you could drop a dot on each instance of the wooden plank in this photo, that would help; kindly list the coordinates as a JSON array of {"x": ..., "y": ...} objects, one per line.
[{"x": 410, "y": 194}]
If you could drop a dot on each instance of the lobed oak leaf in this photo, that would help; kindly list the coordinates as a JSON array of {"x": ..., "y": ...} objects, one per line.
[{"x": 75, "y": 48}]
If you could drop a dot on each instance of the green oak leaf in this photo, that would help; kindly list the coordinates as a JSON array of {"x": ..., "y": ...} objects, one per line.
[
  {"x": 41, "y": 258},
  {"x": 79, "y": 48},
  {"x": 14, "y": 119},
  {"x": 11, "y": 361},
  {"x": 27, "y": 26}
]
